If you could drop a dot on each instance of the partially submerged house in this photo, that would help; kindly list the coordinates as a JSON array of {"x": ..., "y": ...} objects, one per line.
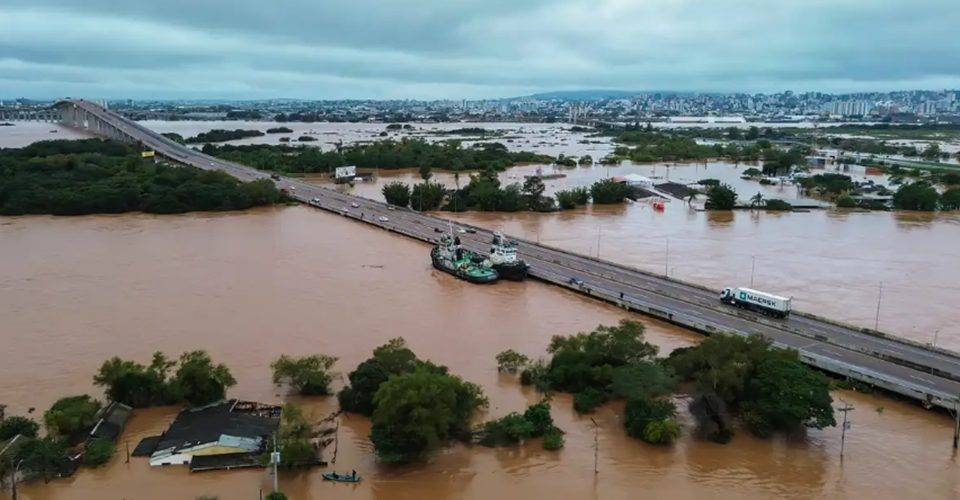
[{"x": 222, "y": 435}]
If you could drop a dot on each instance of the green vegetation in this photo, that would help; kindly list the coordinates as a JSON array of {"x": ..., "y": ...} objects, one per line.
[
  {"x": 778, "y": 162},
  {"x": 515, "y": 428},
  {"x": 651, "y": 420},
  {"x": 776, "y": 204},
  {"x": 846, "y": 201},
  {"x": 280, "y": 130},
  {"x": 950, "y": 199},
  {"x": 44, "y": 457},
  {"x": 307, "y": 138},
  {"x": 427, "y": 196},
  {"x": 71, "y": 415},
  {"x": 221, "y": 135},
  {"x": 415, "y": 412},
  {"x": 511, "y": 361},
  {"x": 392, "y": 358},
  {"x": 94, "y": 176},
  {"x": 386, "y": 154},
  {"x": 570, "y": 198},
  {"x": 565, "y": 161},
  {"x": 415, "y": 405},
  {"x": 396, "y": 193},
  {"x": 175, "y": 137},
  {"x": 916, "y": 196},
  {"x": 196, "y": 380},
  {"x": 659, "y": 146},
  {"x": 607, "y": 191},
  {"x": 585, "y": 160},
  {"x": 769, "y": 387},
  {"x": 294, "y": 439},
  {"x": 720, "y": 197},
  {"x": 276, "y": 495},
  {"x": 827, "y": 184},
  {"x": 11, "y": 426},
  {"x": 309, "y": 375},
  {"x": 607, "y": 363},
  {"x": 98, "y": 452}
]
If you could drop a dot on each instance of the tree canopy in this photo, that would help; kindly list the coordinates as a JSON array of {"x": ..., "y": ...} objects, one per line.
[
  {"x": 309, "y": 375},
  {"x": 94, "y": 176}
]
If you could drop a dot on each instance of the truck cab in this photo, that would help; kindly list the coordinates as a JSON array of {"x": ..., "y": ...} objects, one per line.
[{"x": 726, "y": 295}]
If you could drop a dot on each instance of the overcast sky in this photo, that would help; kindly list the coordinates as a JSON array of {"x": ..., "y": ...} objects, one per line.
[{"x": 331, "y": 49}]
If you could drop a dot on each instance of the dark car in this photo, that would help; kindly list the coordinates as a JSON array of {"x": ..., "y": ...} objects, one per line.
[{"x": 275, "y": 177}]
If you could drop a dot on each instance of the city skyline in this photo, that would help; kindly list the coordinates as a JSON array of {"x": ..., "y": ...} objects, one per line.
[{"x": 471, "y": 50}]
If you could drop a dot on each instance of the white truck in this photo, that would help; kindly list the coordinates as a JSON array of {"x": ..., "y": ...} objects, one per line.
[{"x": 762, "y": 302}]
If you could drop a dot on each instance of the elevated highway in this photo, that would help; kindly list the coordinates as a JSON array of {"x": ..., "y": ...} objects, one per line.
[{"x": 913, "y": 370}]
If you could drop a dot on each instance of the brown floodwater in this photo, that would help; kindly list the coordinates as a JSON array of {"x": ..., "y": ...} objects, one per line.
[{"x": 249, "y": 286}]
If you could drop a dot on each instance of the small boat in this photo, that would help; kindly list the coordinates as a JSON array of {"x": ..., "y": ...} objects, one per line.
[{"x": 341, "y": 478}]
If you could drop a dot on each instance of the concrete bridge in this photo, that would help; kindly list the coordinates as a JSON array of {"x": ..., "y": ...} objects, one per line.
[{"x": 917, "y": 371}]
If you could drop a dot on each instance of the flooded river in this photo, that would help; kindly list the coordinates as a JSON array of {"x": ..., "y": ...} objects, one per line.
[{"x": 250, "y": 286}]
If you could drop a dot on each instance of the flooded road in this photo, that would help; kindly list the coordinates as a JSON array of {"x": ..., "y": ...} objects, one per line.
[{"x": 250, "y": 286}]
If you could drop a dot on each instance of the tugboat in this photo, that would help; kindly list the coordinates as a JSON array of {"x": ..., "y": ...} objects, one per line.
[
  {"x": 503, "y": 259},
  {"x": 449, "y": 257}
]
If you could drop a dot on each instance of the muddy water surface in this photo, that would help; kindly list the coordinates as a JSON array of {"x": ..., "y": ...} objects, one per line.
[{"x": 250, "y": 286}]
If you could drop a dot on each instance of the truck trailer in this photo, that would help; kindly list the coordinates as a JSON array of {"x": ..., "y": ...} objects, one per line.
[{"x": 755, "y": 300}]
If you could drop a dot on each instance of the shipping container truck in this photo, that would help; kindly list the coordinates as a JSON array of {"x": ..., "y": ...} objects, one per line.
[{"x": 755, "y": 300}]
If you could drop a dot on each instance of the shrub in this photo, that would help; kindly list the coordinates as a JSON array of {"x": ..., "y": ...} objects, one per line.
[
  {"x": 11, "y": 426},
  {"x": 775, "y": 204},
  {"x": 510, "y": 361},
  {"x": 98, "y": 452},
  {"x": 71, "y": 415},
  {"x": 553, "y": 440},
  {"x": 396, "y": 193},
  {"x": 588, "y": 400},
  {"x": 415, "y": 412},
  {"x": 846, "y": 201},
  {"x": 916, "y": 196},
  {"x": 309, "y": 375},
  {"x": 641, "y": 412},
  {"x": 721, "y": 197},
  {"x": 608, "y": 191}
]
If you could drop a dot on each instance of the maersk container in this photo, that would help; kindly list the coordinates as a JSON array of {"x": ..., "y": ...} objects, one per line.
[{"x": 756, "y": 300}]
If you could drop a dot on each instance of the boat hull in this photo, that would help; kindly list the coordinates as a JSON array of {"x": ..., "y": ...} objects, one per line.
[
  {"x": 445, "y": 266},
  {"x": 512, "y": 272}
]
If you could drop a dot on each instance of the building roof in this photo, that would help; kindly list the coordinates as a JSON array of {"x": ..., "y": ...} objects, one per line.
[
  {"x": 111, "y": 420},
  {"x": 235, "y": 422}
]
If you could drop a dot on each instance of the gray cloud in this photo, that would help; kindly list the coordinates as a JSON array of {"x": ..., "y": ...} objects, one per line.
[{"x": 470, "y": 48}]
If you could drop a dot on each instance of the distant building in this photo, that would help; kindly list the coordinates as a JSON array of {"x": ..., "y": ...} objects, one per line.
[{"x": 344, "y": 174}]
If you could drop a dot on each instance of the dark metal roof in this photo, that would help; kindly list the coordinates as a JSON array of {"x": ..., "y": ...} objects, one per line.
[{"x": 206, "y": 424}]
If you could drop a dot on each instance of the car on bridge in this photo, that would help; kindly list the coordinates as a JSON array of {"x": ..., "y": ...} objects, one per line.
[{"x": 383, "y": 218}]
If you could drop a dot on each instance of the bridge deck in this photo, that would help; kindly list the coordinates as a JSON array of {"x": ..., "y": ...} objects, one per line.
[{"x": 895, "y": 364}]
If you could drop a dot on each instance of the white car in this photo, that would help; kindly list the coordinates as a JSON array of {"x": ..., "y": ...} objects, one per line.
[
  {"x": 391, "y": 207},
  {"x": 383, "y": 219},
  {"x": 315, "y": 200},
  {"x": 461, "y": 230},
  {"x": 355, "y": 205}
]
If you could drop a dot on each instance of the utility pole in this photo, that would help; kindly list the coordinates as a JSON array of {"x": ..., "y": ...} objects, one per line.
[
  {"x": 275, "y": 458},
  {"x": 846, "y": 408},
  {"x": 876, "y": 322},
  {"x": 596, "y": 446},
  {"x": 935, "y": 334},
  {"x": 753, "y": 270},
  {"x": 16, "y": 472}
]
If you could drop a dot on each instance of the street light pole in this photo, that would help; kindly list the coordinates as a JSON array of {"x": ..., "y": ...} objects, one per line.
[
  {"x": 598, "y": 240},
  {"x": 753, "y": 269}
]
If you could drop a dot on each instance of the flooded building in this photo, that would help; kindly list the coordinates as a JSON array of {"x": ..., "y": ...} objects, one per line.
[{"x": 221, "y": 435}]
